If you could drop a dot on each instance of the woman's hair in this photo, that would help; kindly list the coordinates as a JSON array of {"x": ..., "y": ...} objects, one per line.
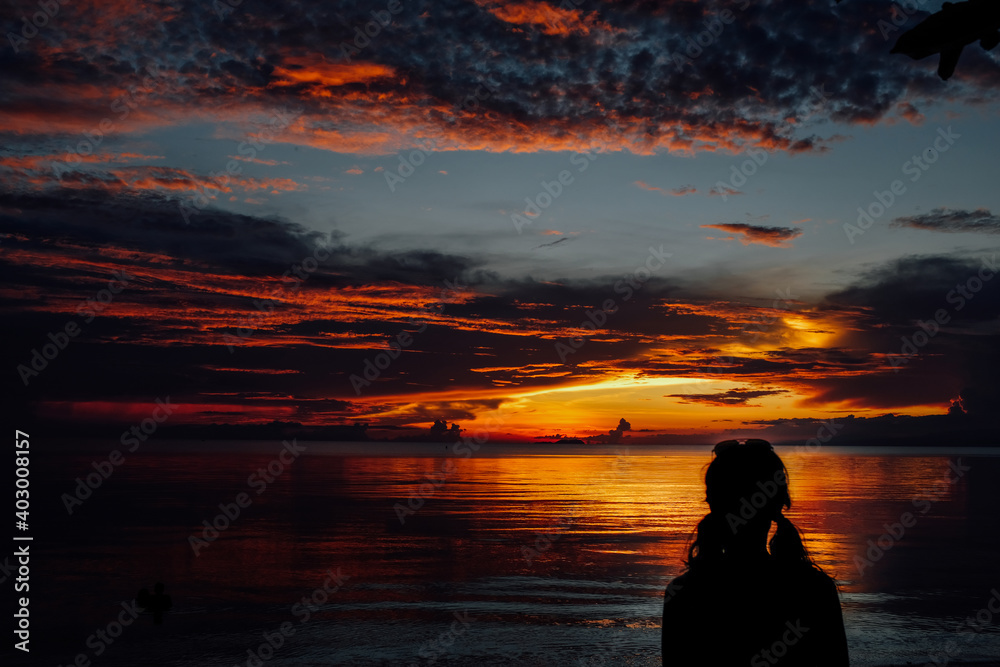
[{"x": 745, "y": 485}]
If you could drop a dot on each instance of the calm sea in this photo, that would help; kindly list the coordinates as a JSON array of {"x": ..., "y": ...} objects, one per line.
[{"x": 512, "y": 557}]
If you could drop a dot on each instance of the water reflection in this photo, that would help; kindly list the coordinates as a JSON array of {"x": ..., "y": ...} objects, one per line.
[{"x": 607, "y": 532}]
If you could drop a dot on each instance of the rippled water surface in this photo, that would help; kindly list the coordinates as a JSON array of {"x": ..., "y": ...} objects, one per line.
[{"x": 512, "y": 558}]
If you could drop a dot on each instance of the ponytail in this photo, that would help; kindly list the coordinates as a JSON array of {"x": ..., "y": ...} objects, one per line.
[
  {"x": 786, "y": 545},
  {"x": 712, "y": 536},
  {"x": 709, "y": 543}
]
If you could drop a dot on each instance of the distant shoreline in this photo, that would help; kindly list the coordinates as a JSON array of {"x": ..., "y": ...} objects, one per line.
[{"x": 488, "y": 449}]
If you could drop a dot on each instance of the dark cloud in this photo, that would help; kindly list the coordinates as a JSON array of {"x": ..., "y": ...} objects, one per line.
[
  {"x": 229, "y": 242},
  {"x": 459, "y": 410},
  {"x": 628, "y": 74},
  {"x": 201, "y": 281},
  {"x": 912, "y": 288},
  {"x": 94, "y": 217},
  {"x": 882, "y": 430},
  {"x": 948, "y": 220},
  {"x": 741, "y": 397},
  {"x": 895, "y": 308},
  {"x": 198, "y": 280}
]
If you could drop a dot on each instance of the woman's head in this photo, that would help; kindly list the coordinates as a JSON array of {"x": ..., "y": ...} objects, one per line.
[
  {"x": 747, "y": 480},
  {"x": 746, "y": 487}
]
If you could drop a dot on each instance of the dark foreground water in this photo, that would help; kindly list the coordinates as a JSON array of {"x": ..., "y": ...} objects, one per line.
[{"x": 513, "y": 558}]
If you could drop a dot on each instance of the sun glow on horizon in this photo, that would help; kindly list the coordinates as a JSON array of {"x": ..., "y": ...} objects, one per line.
[{"x": 691, "y": 405}]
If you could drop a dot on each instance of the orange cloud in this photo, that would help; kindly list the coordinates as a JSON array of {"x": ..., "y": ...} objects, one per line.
[
  {"x": 646, "y": 186},
  {"x": 547, "y": 18},
  {"x": 382, "y": 123},
  {"x": 46, "y": 161},
  {"x": 43, "y": 171},
  {"x": 275, "y": 185},
  {"x": 310, "y": 71},
  {"x": 777, "y": 237}
]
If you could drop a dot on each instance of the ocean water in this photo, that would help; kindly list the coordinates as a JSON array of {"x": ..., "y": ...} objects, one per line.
[{"x": 516, "y": 555}]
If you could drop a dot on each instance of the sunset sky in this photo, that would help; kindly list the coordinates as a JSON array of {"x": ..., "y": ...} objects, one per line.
[{"x": 282, "y": 195}]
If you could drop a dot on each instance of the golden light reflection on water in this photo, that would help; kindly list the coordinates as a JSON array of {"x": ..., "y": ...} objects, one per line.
[
  {"x": 587, "y": 516},
  {"x": 647, "y": 506},
  {"x": 524, "y": 541}
]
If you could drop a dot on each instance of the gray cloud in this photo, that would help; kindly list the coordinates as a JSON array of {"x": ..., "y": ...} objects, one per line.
[
  {"x": 947, "y": 220},
  {"x": 636, "y": 78},
  {"x": 741, "y": 397}
]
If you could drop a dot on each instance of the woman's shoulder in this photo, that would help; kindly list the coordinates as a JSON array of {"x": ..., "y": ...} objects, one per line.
[
  {"x": 817, "y": 575},
  {"x": 681, "y": 578},
  {"x": 809, "y": 577},
  {"x": 677, "y": 584},
  {"x": 799, "y": 575}
]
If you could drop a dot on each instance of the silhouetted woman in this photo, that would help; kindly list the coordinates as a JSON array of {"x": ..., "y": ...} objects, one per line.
[{"x": 738, "y": 603}]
